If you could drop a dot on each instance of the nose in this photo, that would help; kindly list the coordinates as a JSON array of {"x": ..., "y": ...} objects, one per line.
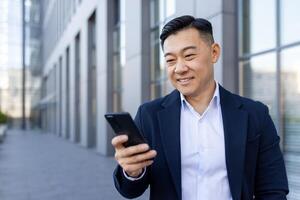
[{"x": 180, "y": 67}]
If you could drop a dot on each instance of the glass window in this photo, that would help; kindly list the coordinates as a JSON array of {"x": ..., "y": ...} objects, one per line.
[
  {"x": 290, "y": 21},
  {"x": 259, "y": 25},
  {"x": 258, "y": 76},
  {"x": 119, "y": 58},
  {"x": 258, "y": 80},
  {"x": 160, "y": 11},
  {"x": 170, "y": 7},
  {"x": 290, "y": 86}
]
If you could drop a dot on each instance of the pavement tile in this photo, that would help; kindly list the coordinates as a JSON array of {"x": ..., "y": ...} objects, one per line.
[{"x": 42, "y": 166}]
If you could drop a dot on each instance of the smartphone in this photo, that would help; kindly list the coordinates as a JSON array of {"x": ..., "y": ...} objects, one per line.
[{"x": 122, "y": 123}]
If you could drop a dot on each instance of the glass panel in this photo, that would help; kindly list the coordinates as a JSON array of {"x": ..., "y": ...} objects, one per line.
[
  {"x": 154, "y": 13},
  {"x": 162, "y": 66},
  {"x": 290, "y": 26},
  {"x": 159, "y": 10},
  {"x": 117, "y": 12},
  {"x": 290, "y": 85},
  {"x": 256, "y": 36},
  {"x": 116, "y": 72},
  {"x": 170, "y": 8},
  {"x": 162, "y": 12},
  {"x": 119, "y": 55},
  {"x": 155, "y": 90},
  {"x": 155, "y": 61},
  {"x": 258, "y": 77}
]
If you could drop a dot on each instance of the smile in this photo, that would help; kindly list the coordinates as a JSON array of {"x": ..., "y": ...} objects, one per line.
[{"x": 184, "y": 80}]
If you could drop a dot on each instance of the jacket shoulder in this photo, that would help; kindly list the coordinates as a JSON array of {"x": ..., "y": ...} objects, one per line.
[
  {"x": 252, "y": 105},
  {"x": 157, "y": 104}
]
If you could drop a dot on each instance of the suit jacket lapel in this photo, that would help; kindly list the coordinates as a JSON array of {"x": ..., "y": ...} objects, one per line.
[
  {"x": 235, "y": 134},
  {"x": 169, "y": 124}
]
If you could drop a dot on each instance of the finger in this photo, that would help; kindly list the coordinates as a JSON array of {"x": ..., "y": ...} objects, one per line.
[
  {"x": 139, "y": 158},
  {"x": 135, "y": 167},
  {"x": 118, "y": 141},
  {"x": 132, "y": 150}
]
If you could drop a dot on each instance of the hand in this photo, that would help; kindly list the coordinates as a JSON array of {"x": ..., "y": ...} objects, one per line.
[{"x": 132, "y": 159}]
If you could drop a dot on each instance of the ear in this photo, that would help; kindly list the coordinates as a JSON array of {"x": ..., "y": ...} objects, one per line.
[{"x": 216, "y": 51}]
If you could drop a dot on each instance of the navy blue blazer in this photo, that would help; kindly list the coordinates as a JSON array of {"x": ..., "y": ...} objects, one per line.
[{"x": 254, "y": 161}]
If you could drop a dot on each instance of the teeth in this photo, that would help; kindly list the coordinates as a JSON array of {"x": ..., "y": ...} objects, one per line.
[{"x": 184, "y": 80}]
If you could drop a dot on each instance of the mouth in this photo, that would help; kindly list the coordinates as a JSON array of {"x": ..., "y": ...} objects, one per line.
[{"x": 184, "y": 81}]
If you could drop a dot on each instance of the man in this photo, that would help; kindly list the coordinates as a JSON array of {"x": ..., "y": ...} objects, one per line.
[{"x": 206, "y": 143}]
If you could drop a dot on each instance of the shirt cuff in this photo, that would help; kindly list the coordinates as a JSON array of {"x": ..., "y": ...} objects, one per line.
[{"x": 134, "y": 178}]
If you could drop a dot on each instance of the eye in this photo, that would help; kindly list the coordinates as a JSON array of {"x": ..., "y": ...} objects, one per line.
[
  {"x": 189, "y": 56},
  {"x": 170, "y": 61}
]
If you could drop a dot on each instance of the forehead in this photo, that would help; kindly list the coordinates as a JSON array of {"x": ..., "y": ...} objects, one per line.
[{"x": 182, "y": 39}]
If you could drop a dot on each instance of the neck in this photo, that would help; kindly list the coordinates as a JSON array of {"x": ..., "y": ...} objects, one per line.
[{"x": 201, "y": 101}]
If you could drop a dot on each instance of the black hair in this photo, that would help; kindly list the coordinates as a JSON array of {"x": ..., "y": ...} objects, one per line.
[{"x": 186, "y": 21}]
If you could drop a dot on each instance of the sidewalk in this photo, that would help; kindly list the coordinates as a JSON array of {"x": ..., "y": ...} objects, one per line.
[{"x": 39, "y": 166}]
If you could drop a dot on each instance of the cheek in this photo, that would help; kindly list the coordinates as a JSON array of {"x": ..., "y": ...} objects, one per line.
[
  {"x": 170, "y": 73},
  {"x": 202, "y": 64}
]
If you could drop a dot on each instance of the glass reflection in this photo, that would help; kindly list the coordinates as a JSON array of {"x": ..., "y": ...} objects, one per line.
[
  {"x": 259, "y": 25},
  {"x": 290, "y": 87},
  {"x": 258, "y": 81},
  {"x": 119, "y": 55},
  {"x": 290, "y": 26},
  {"x": 160, "y": 11}
]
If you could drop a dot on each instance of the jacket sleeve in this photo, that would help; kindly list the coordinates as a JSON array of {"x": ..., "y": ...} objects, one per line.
[
  {"x": 271, "y": 179},
  {"x": 128, "y": 188}
]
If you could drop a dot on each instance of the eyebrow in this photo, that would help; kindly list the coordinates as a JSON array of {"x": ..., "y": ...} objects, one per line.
[{"x": 184, "y": 49}]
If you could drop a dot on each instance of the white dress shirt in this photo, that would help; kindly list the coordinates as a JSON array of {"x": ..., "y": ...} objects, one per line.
[{"x": 203, "y": 166}]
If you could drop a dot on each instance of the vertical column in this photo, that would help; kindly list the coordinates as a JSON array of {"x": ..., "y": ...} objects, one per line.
[
  {"x": 84, "y": 84},
  {"x": 77, "y": 103},
  {"x": 92, "y": 79},
  {"x": 57, "y": 68},
  {"x": 145, "y": 50},
  {"x": 132, "y": 72},
  {"x": 230, "y": 41},
  {"x": 104, "y": 46},
  {"x": 67, "y": 92},
  {"x": 60, "y": 88},
  {"x": 72, "y": 98},
  {"x": 63, "y": 95}
]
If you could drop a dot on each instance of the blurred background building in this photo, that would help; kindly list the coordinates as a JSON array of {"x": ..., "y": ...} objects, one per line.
[
  {"x": 85, "y": 58},
  {"x": 11, "y": 71}
]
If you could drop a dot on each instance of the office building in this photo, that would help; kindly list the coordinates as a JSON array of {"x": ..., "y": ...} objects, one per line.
[{"x": 104, "y": 56}]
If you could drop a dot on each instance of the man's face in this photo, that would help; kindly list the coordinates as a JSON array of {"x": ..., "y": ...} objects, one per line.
[{"x": 189, "y": 60}]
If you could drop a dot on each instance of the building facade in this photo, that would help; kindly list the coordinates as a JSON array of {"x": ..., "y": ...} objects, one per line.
[{"x": 104, "y": 56}]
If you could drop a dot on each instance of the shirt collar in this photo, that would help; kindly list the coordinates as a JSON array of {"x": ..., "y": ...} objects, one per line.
[{"x": 215, "y": 98}]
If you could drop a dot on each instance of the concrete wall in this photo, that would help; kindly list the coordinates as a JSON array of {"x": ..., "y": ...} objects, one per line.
[
  {"x": 77, "y": 23},
  {"x": 132, "y": 71}
]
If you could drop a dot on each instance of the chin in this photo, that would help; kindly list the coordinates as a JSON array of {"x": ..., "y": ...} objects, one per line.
[{"x": 185, "y": 92}]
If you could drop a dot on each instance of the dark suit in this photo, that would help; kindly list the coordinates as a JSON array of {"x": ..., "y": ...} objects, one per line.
[{"x": 254, "y": 161}]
